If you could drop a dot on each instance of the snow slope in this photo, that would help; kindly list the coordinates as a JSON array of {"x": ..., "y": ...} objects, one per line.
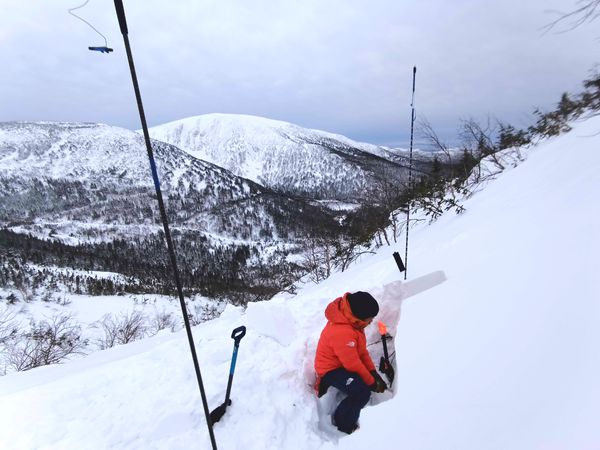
[{"x": 503, "y": 355}]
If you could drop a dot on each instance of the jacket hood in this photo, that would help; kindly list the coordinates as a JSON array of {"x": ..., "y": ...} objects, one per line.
[{"x": 338, "y": 311}]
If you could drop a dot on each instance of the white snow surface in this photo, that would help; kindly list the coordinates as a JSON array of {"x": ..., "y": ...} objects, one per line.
[{"x": 503, "y": 355}]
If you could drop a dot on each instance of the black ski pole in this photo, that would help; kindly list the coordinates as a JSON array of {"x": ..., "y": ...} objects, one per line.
[
  {"x": 410, "y": 190},
  {"x": 123, "y": 25},
  {"x": 219, "y": 411}
]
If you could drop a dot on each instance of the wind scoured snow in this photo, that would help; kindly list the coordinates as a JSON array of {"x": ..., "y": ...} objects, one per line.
[{"x": 503, "y": 355}]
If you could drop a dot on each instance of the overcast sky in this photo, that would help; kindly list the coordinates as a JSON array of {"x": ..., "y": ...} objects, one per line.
[{"x": 343, "y": 66}]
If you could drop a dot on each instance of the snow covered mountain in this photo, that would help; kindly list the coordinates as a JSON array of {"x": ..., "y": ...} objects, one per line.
[
  {"x": 286, "y": 157},
  {"x": 57, "y": 172},
  {"x": 503, "y": 355},
  {"x": 89, "y": 185}
]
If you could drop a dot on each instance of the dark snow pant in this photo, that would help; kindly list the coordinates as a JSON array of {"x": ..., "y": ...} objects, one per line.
[{"x": 358, "y": 394}]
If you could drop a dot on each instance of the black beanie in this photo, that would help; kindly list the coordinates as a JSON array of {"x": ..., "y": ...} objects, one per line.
[{"x": 363, "y": 305}]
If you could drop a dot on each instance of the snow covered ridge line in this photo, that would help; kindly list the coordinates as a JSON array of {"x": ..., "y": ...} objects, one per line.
[
  {"x": 286, "y": 157},
  {"x": 262, "y": 124},
  {"x": 51, "y": 175}
]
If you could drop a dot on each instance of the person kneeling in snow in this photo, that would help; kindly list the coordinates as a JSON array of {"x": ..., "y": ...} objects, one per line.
[{"x": 342, "y": 359}]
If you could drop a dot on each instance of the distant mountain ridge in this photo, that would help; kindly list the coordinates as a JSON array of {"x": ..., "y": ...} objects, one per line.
[
  {"x": 98, "y": 173},
  {"x": 286, "y": 157},
  {"x": 80, "y": 195}
]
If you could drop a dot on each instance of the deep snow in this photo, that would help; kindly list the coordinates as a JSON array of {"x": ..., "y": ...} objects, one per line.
[{"x": 503, "y": 355}]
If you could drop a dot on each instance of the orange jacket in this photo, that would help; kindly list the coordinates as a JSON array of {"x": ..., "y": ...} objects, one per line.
[{"x": 343, "y": 343}]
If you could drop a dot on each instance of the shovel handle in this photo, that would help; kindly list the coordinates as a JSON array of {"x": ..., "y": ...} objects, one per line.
[{"x": 238, "y": 334}]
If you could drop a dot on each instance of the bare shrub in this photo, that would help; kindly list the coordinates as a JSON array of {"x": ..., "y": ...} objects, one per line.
[
  {"x": 63, "y": 301},
  {"x": 427, "y": 131},
  {"x": 480, "y": 140},
  {"x": 8, "y": 327},
  {"x": 317, "y": 260},
  {"x": 47, "y": 342},
  {"x": 586, "y": 11},
  {"x": 50, "y": 297},
  {"x": 27, "y": 294},
  {"x": 162, "y": 320},
  {"x": 121, "y": 329},
  {"x": 203, "y": 313}
]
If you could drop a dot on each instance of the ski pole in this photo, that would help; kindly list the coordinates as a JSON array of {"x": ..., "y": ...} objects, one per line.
[
  {"x": 125, "y": 32},
  {"x": 410, "y": 186},
  {"x": 219, "y": 411},
  {"x": 384, "y": 364}
]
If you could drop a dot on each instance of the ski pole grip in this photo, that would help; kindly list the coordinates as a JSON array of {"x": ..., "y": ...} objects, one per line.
[
  {"x": 414, "y": 76},
  {"x": 399, "y": 262},
  {"x": 238, "y": 334},
  {"x": 121, "y": 16}
]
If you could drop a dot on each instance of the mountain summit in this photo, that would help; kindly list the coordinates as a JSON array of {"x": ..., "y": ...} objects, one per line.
[{"x": 286, "y": 157}]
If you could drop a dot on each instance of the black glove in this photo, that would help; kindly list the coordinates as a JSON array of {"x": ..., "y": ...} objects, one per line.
[{"x": 379, "y": 385}]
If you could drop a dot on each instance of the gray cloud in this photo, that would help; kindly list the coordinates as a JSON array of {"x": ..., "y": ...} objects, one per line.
[{"x": 339, "y": 65}]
